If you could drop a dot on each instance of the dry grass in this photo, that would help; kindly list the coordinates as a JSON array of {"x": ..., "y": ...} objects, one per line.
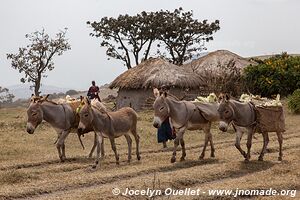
[{"x": 30, "y": 168}]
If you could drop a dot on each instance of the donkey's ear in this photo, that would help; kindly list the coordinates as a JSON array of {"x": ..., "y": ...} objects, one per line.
[
  {"x": 87, "y": 101},
  {"x": 227, "y": 97},
  {"x": 165, "y": 94},
  {"x": 155, "y": 92},
  {"x": 46, "y": 97}
]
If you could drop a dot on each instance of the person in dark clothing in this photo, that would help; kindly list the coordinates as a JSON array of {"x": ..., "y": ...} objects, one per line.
[
  {"x": 165, "y": 131},
  {"x": 93, "y": 92}
]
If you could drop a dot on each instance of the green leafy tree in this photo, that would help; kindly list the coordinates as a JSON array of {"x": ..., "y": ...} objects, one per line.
[
  {"x": 127, "y": 37},
  {"x": 131, "y": 38},
  {"x": 279, "y": 74},
  {"x": 294, "y": 101},
  {"x": 183, "y": 36},
  {"x": 36, "y": 59}
]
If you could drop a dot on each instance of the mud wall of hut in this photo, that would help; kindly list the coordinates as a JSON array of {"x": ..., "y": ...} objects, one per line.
[{"x": 140, "y": 99}]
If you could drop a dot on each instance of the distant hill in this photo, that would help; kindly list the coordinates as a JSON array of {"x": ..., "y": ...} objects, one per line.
[{"x": 22, "y": 91}]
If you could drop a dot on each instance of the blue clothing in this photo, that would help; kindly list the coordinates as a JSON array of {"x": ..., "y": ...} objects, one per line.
[{"x": 165, "y": 132}]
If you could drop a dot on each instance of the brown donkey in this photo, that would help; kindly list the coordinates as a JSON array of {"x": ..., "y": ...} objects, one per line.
[
  {"x": 184, "y": 115},
  {"x": 110, "y": 125}
]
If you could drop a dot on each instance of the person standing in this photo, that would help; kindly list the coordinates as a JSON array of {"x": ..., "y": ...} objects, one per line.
[{"x": 93, "y": 92}]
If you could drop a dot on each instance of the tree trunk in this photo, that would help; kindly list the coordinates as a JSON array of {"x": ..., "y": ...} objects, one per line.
[{"x": 37, "y": 85}]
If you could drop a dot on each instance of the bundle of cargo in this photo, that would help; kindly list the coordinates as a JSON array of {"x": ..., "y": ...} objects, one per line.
[
  {"x": 261, "y": 101},
  {"x": 211, "y": 98},
  {"x": 269, "y": 119},
  {"x": 269, "y": 113}
]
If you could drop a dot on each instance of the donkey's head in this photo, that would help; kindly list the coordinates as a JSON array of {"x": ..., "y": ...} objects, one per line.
[
  {"x": 225, "y": 111},
  {"x": 161, "y": 108},
  {"x": 86, "y": 115},
  {"x": 34, "y": 113}
]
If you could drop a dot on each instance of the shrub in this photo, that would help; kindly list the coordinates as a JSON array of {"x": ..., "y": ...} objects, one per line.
[
  {"x": 294, "y": 101},
  {"x": 71, "y": 92},
  {"x": 276, "y": 75}
]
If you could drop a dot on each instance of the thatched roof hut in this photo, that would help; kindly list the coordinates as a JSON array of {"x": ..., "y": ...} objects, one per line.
[
  {"x": 135, "y": 85},
  {"x": 222, "y": 69},
  {"x": 156, "y": 72}
]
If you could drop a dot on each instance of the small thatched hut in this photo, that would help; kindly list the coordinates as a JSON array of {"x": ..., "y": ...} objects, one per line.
[
  {"x": 222, "y": 69},
  {"x": 136, "y": 84},
  {"x": 212, "y": 61}
]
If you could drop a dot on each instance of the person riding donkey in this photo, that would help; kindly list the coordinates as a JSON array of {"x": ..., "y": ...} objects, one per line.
[{"x": 93, "y": 92}]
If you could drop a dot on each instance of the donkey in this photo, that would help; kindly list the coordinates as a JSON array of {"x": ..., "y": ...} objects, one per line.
[
  {"x": 110, "y": 125},
  {"x": 60, "y": 116},
  {"x": 243, "y": 115},
  {"x": 184, "y": 115}
]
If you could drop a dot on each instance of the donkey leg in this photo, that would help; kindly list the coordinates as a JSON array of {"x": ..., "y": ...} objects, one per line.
[
  {"x": 265, "y": 141},
  {"x": 60, "y": 145},
  {"x": 249, "y": 144},
  {"x": 99, "y": 139},
  {"x": 176, "y": 143},
  {"x": 113, "y": 146},
  {"x": 212, "y": 148},
  {"x": 239, "y": 135},
  {"x": 137, "y": 143},
  {"x": 129, "y": 142},
  {"x": 182, "y": 149},
  {"x": 280, "y": 140},
  {"x": 102, "y": 148},
  {"x": 205, "y": 143},
  {"x": 94, "y": 146}
]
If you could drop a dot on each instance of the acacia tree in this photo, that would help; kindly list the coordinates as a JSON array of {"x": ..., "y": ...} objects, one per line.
[
  {"x": 127, "y": 37},
  {"x": 182, "y": 36},
  {"x": 37, "y": 58},
  {"x": 178, "y": 36},
  {"x": 5, "y": 96}
]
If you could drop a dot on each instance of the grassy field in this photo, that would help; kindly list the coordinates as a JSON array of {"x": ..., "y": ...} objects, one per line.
[{"x": 30, "y": 168}]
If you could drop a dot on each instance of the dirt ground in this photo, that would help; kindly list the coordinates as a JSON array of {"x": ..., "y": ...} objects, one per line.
[{"x": 30, "y": 168}]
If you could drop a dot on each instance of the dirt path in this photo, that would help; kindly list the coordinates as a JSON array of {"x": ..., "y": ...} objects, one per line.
[{"x": 34, "y": 172}]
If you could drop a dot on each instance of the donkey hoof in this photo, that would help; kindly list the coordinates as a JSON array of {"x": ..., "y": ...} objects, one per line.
[
  {"x": 279, "y": 158},
  {"x": 260, "y": 158},
  {"x": 138, "y": 157},
  {"x": 128, "y": 161},
  {"x": 117, "y": 163},
  {"x": 94, "y": 166},
  {"x": 182, "y": 159},
  {"x": 246, "y": 160},
  {"x": 212, "y": 155},
  {"x": 173, "y": 159},
  {"x": 201, "y": 157}
]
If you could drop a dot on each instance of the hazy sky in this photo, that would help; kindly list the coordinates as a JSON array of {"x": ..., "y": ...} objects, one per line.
[{"x": 248, "y": 28}]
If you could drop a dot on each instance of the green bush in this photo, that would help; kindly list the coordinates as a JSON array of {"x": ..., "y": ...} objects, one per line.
[
  {"x": 276, "y": 75},
  {"x": 294, "y": 101}
]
